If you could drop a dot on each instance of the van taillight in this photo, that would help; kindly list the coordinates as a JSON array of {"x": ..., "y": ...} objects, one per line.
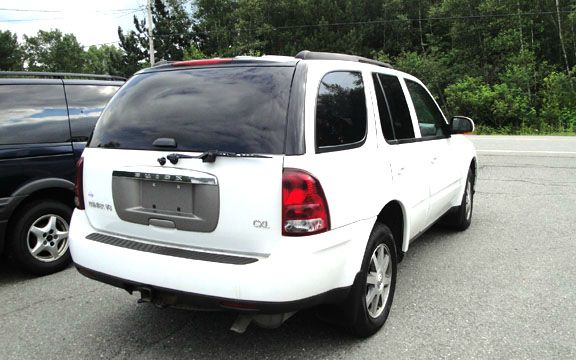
[
  {"x": 304, "y": 206},
  {"x": 79, "y": 185}
]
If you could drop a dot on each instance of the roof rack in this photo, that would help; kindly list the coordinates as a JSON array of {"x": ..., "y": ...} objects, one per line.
[
  {"x": 313, "y": 55},
  {"x": 58, "y": 75}
]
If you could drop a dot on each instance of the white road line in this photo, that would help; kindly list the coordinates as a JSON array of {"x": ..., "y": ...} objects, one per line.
[
  {"x": 529, "y": 152},
  {"x": 515, "y": 138}
]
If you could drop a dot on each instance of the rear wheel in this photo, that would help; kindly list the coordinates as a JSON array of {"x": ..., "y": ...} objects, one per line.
[
  {"x": 370, "y": 299},
  {"x": 39, "y": 241}
]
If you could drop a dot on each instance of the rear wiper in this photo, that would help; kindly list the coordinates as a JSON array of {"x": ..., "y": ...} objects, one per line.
[{"x": 207, "y": 156}]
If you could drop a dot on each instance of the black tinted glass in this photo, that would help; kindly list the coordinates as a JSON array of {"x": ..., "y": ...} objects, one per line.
[
  {"x": 398, "y": 107},
  {"x": 430, "y": 119},
  {"x": 340, "y": 109},
  {"x": 383, "y": 110},
  {"x": 33, "y": 114},
  {"x": 238, "y": 109},
  {"x": 85, "y": 103}
]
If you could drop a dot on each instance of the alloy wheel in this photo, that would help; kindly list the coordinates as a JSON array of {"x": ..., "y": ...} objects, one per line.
[{"x": 47, "y": 238}]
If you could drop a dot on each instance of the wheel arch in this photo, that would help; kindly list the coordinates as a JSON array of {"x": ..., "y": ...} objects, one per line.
[
  {"x": 473, "y": 168},
  {"x": 36, "y": 186},
  {"x": 394, "y": 216},
  {"x": 49, "y": 189}
]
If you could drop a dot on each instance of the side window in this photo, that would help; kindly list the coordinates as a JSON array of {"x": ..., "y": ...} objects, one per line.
[
  {"x": 33, "y": 114},
  {"x": 85, "y": 103},
  {"x": 430, "y": 118},
  {"x": 340, "y": 111},
  {"x": 393, "y": 108}
]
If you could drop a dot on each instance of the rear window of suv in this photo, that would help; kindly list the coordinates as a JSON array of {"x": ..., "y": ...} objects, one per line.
[{"x": 238, "y": 109}]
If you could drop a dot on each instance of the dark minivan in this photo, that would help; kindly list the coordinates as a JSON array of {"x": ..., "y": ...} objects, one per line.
[{"x": 45, "y": 122}]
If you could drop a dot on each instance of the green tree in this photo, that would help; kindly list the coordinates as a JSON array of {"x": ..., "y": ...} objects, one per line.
[
  {"x": 193, "y": 53},
  {"x": 10, "y": 52},
  {"x": 431, "y": 68},
  {"x": 471, "y": 96},
  {"x": 106, "y": 59},
  {"x": 53, "y": 51},
  {"x": 134, "y": 57},
  {"x": 558, "y": 97},
  {"x": 215, "y": 23},
  {"x": 171, "y": 34}
]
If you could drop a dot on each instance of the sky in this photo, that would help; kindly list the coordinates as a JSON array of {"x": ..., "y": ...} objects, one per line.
[{"x": 92, "y": 22}]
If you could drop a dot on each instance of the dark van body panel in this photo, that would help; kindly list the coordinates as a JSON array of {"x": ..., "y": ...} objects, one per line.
[{"x": 44, "y": 126}]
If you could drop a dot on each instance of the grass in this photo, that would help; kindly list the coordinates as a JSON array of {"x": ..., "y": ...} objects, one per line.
[{"x": 507, "y": 130}]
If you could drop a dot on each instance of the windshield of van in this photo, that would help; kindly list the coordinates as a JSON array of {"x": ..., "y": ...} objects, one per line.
[{"x": 236, "y": 109}]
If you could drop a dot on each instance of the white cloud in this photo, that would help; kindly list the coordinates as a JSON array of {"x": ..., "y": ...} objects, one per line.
[{"x": 92, "y": 22}]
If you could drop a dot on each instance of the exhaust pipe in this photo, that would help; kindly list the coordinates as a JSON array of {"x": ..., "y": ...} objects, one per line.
[
  {"x": 145, "y": 295},
  {"x": 266, "y": 321}
]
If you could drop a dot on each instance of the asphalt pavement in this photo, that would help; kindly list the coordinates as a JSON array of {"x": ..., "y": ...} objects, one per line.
[{"x": 505, "y": 288}]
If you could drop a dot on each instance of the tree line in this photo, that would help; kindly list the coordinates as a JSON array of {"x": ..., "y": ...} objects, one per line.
[{"x": 509, "y": 64}]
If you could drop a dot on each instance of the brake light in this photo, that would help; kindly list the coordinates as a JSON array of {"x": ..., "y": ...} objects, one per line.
[
  {"x": 79, "y": 185},
  {"x": 202, "y": 62},
  {"x": 304, "y": 206}
]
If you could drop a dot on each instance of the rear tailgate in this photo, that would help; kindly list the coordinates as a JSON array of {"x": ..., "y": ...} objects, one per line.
[{"x": 232, "y": 204}]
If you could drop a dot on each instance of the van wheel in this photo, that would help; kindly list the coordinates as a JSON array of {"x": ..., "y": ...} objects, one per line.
[
  {"x": 39, "y": 240},
  {"x": 370, "y": 299}
]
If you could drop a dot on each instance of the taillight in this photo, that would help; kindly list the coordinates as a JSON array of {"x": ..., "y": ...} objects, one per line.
[
  {"x": 79, "y": 185},
  {"x": 201, "y": 62},
  {"x": 304, "y": 207}
]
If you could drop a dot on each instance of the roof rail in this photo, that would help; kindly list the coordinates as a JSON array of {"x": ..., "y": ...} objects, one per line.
[
  {"x": 59, "y": 75},
  {"x": 313, "y": 55}
]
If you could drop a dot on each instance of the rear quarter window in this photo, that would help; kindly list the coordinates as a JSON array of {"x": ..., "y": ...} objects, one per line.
[{"x": 340, "y": 111}]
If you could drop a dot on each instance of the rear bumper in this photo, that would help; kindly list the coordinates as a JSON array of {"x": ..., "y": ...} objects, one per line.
[
  {"x": 169, "y": 297},
  {"x": 300, "y": 272}
]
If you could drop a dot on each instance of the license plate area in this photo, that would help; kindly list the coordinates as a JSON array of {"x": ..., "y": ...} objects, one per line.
[
  {"x": 170, "y": 198},
  {"x": 190, "y": 203}
]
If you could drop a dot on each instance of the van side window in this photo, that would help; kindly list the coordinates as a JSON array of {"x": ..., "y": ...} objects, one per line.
[
  {"x": 85, "y": 103},
  {"x": 340, "y": 111},
  {"x": 33, "y": 114},
  {"x": 383, "y": 110},
  {"x": 394, "y": 113},
  {"x": 430, "y": 119}
]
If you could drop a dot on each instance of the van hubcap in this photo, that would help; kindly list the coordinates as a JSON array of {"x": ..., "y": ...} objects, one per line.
[
  {"x": 378, "y": 281},
  {"x": 47, "y": 238}
]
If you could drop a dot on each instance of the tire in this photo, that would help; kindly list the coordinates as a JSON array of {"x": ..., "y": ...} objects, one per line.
[
  {"x": 460, "y": 218},
  {"x": 39, "y": 239},
  {"x": 365, "y": 317}
]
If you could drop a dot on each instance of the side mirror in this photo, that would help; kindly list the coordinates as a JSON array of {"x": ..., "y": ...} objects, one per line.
[{"x": 461, "y": 125}]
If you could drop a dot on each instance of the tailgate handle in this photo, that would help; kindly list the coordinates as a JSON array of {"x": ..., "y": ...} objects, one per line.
[{"x": 162, "y": 223}]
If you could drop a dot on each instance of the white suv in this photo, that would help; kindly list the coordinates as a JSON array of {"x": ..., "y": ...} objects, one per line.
[{"x": 267, "y": 185}]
